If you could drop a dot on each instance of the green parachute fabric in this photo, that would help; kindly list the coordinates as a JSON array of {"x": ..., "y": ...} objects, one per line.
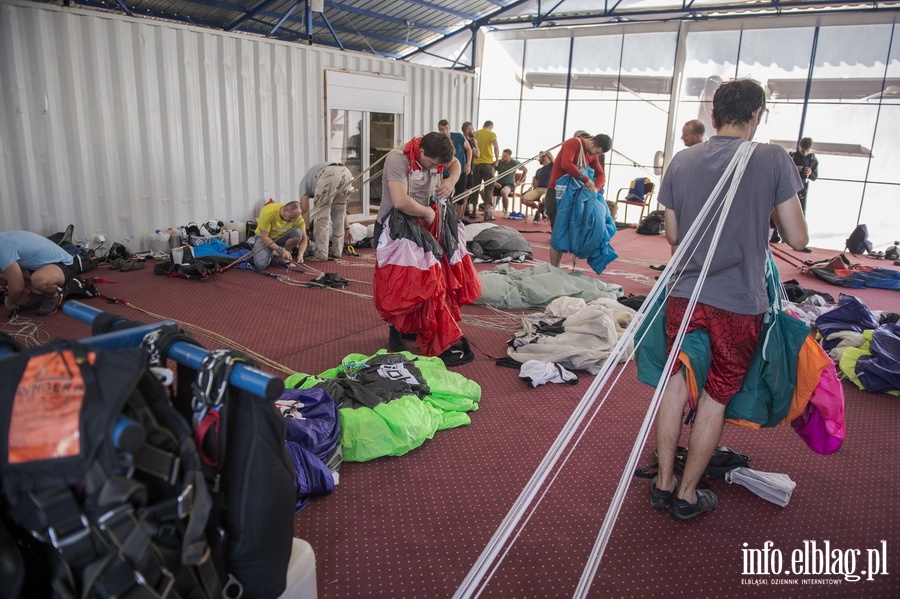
[{"x": 400, "y": 425}]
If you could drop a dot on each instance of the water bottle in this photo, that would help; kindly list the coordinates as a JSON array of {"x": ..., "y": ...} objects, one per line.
[
  {"x": 241, "y": 227},
  {"x": 159, "y": 242},
  {"x": 174, "y": 238}
]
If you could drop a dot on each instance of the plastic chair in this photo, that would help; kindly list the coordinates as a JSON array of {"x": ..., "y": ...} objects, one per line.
[{"x": 622, "y": 198}]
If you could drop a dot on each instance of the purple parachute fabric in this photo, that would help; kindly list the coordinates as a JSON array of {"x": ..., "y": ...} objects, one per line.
[{"x": 309, "y": 441}]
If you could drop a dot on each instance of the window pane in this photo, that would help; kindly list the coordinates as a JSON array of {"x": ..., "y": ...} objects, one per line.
[
  {"x": 345, "y": 146},
  {"x": 595, "y": 67},
  {"x": 711, "y": 57},
  {"x": 857, "y": 124},
  {"x": 593, "y": 117},
  {"x": 779, "y": 60},
  {"x": 850, "y": 63},
  {"x": 881, "y": 200},
  {"x": 501, "y": 69},
  {"x": 832, "y": 208},
  {"x": 543, "y": 130},
  {"x": 892, "y": 89},
  {"x": 505, "y": 115},
  {"x": 546, "y": 69},
  {"x": 885, "y": 166}
]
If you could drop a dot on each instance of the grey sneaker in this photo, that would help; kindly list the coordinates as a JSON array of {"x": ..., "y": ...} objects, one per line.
[
  {"x": 661, "y": 500},
  {"x": 685, "y": 510}
]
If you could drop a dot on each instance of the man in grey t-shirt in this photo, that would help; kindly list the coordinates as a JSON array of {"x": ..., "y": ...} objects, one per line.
[
  {"x": 411, "y": 180},
  {"x": 733, "y": 297}
]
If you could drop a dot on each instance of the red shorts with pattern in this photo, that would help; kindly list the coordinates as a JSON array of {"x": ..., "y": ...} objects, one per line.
[{"x": 733, "y": 338}]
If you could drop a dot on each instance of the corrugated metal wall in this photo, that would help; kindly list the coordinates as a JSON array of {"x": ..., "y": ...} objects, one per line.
[{"x": 123, "y": 126}]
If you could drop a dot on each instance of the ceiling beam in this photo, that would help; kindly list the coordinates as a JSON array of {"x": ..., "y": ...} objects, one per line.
[
  {"x": 377, "y": 15},
  {"x": 433, "y": 6},
  {"x": 249, "y": 14}
]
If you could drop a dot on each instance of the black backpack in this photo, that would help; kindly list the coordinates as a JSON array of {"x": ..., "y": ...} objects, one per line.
[
  {"x": 858, "y": 242},
  {"x": 103, "y": 470},
  {"x": 653, "y": 224},
  {"x": 98, "y": 467}
]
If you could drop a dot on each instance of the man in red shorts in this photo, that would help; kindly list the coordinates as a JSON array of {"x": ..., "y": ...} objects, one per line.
[{"x": 732, "y": 299}]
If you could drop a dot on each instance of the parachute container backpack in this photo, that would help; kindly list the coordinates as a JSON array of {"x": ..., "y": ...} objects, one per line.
[{"x": 102, "y": 471}]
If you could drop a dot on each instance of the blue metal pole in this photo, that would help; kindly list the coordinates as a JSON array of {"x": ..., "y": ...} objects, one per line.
[{"x": 244, "y": 377}]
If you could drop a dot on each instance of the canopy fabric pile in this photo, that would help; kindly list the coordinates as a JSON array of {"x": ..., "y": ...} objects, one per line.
[
  {"x": 583, "y": 225},
  {"x": 391, "y": 403},
  {"x": 576, "y": 334},
  {"x": 499, "y": 243},
  {"x": 510, "y": 289},
  {"x": 423, "y": 276}
]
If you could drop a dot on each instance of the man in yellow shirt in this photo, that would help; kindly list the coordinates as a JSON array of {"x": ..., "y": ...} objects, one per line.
[
  {"x": 483, "y": 165},
  {"x": 280, "y": 229}
]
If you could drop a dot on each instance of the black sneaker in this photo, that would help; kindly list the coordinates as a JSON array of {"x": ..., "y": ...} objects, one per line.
[
  {"x": 661, "y": 500},
  {"x": 49, "y": 305},
  {"x": 34, "y": 302},
  {"x": 685, "y": 510},
  {"x": 395, "y": 342}
]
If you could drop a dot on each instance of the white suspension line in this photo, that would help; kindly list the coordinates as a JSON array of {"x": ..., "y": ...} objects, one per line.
[{"x": 501, "y": 537}]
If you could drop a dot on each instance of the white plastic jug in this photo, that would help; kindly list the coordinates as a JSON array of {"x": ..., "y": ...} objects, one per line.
[
  {"x": 234, "y": 237},
  {"x": 174, "y": 237},
  {"x": 159, "y": 242},
  {"x": 241, "y": 227}
]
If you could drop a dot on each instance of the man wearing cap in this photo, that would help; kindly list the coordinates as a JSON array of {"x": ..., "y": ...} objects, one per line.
[{"x": 576, "y": 152}]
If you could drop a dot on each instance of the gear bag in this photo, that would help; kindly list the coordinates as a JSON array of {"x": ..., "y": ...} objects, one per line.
[{"x": 101, "y": 469}]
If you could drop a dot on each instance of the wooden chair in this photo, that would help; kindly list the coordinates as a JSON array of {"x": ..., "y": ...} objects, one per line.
[{"x": 621, "y": 198}]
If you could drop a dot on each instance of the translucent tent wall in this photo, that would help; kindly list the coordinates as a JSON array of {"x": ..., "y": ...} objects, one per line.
[{"x": 833, "y": 78}]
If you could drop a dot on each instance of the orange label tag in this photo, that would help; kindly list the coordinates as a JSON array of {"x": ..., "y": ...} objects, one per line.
[{"x": 46, "y": 409}]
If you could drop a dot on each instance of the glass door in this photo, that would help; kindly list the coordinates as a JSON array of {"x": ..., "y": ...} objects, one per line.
[
  {"x": 358, "y": 140},
  {"x": 345, "y": 146}
]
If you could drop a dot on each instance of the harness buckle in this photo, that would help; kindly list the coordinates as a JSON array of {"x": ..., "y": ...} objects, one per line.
[{"x": 60, "y": 542}]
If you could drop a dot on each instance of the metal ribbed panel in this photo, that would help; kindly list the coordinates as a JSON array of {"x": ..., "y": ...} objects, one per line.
[{"x": 123, "y": 126}]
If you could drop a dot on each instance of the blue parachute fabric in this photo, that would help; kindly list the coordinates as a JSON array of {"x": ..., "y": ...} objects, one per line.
[
  {"x": 214, "y": 247},
  {"x": 309, "y": 441},
  {"x": 879, "y": 371},
  {"x": 583, "y": 225},
  {"x": 881, "y": 278},
  {"x": 851, "y": 314}
]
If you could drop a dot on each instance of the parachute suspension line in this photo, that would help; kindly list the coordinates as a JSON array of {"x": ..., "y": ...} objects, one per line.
[
  {"x": 460, "y": 197},
  {"x": 475, "y": 577},
  {"x": 737, "y": 166}
]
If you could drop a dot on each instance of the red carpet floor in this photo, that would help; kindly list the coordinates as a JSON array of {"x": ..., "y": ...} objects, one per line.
[{"x": 412, "y": 526}]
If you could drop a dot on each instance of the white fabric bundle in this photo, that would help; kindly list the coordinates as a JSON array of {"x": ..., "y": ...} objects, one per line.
[
  {"x": 540, "y": 373},
  {"x": 771, "y": 486}
]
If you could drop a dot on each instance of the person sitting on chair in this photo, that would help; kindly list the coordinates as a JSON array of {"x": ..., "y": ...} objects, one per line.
[
  {"x": 534, "y": 197},
  {"x": 511, "y": 172}
]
